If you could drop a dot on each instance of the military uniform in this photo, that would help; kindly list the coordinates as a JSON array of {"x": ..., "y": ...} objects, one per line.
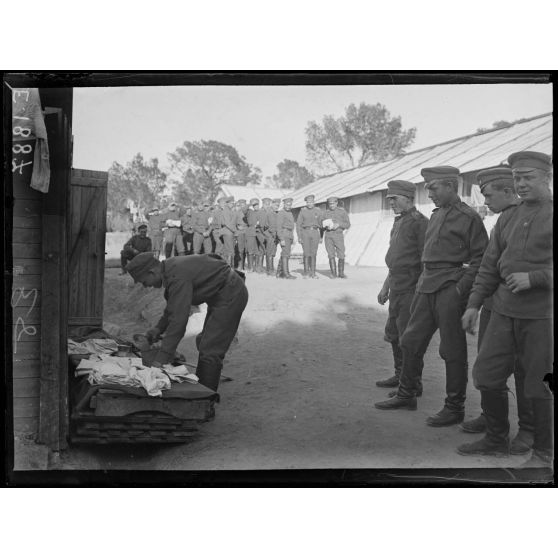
[
  {"x": 240, "y": 234},
  {"x": 194, "y": 280},
  {"x": 155, "y": 225},
  {"x": 455, "y": 236},
  {"x": 271, "y": 238},
  {"x": 308, "y": 228},
  {"x": 520, "y": 322},
  {"x": 216, "y": 228},
  {"x": 334, "y": 238},
  {"x": 187, "y": 231},
  {"x": 172, "y": 233},
  {"x": 202, "y": 231},
  {"x": 285, "y": 233},
  {"x": 228, "y": 230},
  {"x": 254, "y": 237},
  {"x": 136, "y": 245}
]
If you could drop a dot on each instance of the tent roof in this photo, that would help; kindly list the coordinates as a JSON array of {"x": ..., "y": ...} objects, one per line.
[{"x": 469, "y": 153}]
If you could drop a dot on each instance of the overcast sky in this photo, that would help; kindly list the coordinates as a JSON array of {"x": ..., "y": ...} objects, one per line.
[{"x": 266, "y": 124}]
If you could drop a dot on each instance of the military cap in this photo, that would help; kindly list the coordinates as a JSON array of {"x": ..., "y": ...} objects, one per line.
[
  {"x": 526, "y": 160},
  {"x": 142, "y": 226},
  {"x": 439, "y": 173},
  {"x": 141, "y": 264},
  {"x": 276, "y": 200},
  {"x": 309, "y": 197},
  {"x": 287, "y": 200},
  {"x": 401, "y": 188},
  {"x": 155, "y": 209},
  {"x": 254, "y": 201},
  {"x": 229, "y": 199},
  {"x": 172, "y": 203},
  {"x": 241, "y": 200},
  {"x": 332, "y": 198},
  {"x": 266, "y": 200},
  {"x": 497, "y": 176}
]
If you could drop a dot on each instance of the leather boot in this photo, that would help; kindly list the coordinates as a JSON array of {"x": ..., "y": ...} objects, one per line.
[
  {"x": 418, "y": 392},
  {"x": 393, "y": 381},
  {"x": 409, "y": 403},
  {"x": 495, "y": 442},
  {"x": 209, "y": 375},
  {"x": 305, "y": 264},
  {"x": 268, "y": 270},
  {"x": 474, "y": 426},
  {"x": 285, "y": 262},
  {"x": 522, "y": 443},
  {"x": 543, "y": 447},
  {"x": 456, "y": 385},
  {"x": 333, "y": 269},
  {"x": 243, "y": 261},
  {"x": 280, "y": 274},
  {"x": 341, "y": 266},
  {"x": 272, "y": 265},
  {"x": 525, "y": 415}
]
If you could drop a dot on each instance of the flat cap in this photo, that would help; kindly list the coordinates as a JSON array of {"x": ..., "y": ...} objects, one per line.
[
  {"x": 525, "y": 160},
  {"x": 266, "y": 200},
  {"x": 276, "y": 200},
  {"x": 497, "y": 176},
  {"x": 241, "y": 200},
  {"x": 332, "y": 198},
  {"x": 155, "y": 209},
  {"x": 141, "y": 264},
  {"x": 439, "y": 173},
  {"x": 171, "y": 204},
  {"x": 309, "y": 197},
  {"x": 401, "y": 188},
  {"x": 254, "y": 201},
  {"x": 287, "y": 200},
  {"x": 142, "y": 226}
]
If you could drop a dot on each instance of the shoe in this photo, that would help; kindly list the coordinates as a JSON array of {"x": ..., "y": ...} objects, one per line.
[
  {"x": 446, "y": 417},
  {"x": 397, "y": 403},
  {"x": 394, "y": 393},
  {"x": 474, "y": 426},
  {"x": 538, "y": 460},
  {"x": 389, "y": 383},
  {"x": 485, "y": 446},
  {"x": 522, "y": 443}
]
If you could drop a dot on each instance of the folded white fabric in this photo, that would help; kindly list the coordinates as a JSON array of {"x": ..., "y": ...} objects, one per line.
[
  {"x": 92, "y": 346},
  {"x": 180, "y": 373}
]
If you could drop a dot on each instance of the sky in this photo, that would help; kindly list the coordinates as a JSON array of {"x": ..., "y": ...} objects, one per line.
[{"x": 266, "y": 123}]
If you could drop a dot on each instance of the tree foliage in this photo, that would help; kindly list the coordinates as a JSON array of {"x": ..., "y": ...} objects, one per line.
[
  {"x": 364, "y": 134},
  {"x": 139, "y": 181},
  {"x": 200, "y": 168},
  {"x": 290, "y": 175},
  {"x": 501, "y": 124}
]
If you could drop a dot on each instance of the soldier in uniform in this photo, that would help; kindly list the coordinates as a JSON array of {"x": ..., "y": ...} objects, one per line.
[
  {"x": 403, "y": 260},
  {"x": 172, "y": 234},
  {"x": 187, "y": 230},
  {"x": 285, "y": 233},
  {"x": 138, "y": 244},
  {"x": 338, "y": 222},
  {"x": 193, "y": 280},
  {"x": 271, "y": 239},
  {"x": 455, "y": 236},
  {"x": 517, "y": 272},
  {"x": 228, "y": 230},
  {"x": 241, "y": 225},
  {"x": 155, "y": 230},
  {"x": 496, "y": 185},
  {"x": 217, "y": 224},
  {"x": 202, "y": 229},
  {"x": 254, "y": 236},
  {"x": 308, "y": 228}
]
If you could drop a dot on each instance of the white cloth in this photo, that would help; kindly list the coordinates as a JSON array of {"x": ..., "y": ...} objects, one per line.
[
  {"x": 92, "y": 346},
  {"x": 180, "y": 374}
]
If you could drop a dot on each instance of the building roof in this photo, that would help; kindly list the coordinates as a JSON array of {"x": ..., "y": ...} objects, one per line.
[
  {"x": 248, "y": 192},
  {"x": 469, "y": 153}
]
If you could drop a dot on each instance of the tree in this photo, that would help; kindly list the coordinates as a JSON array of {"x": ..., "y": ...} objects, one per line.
[
  {"x": 139, "y": 181},
  {"x": 199, "y": 168},
  {"x": 365, "y": 134},
  {"x": 500, "y": 124},
  {"x": 291, "y": 175}
]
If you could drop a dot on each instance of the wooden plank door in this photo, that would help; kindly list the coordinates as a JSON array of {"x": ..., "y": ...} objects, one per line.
[{"x": 86, "y": 247}]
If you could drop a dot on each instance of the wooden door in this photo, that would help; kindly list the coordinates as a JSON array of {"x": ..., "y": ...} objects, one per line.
[{"x": 86, "y": 247}]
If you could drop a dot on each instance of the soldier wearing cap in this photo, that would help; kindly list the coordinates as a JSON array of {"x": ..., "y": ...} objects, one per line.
[
  {"x": 202, "y": 228},
  {"x": 155, "y": 224},
  {"x": 309, "y": 231},
  {"x": 228, "y": 230},
  {"x": 254, "y": 236},
  {"x": 285, "y": 233},
  {"x": 187, "y": 229},
  {"x": 194, "y": 280},
  {"x": 455, "y": 236},
  {"x": 241, "y": 225},
  {"x": 217, "y": 224},
  {"x": 496, "y": 185},
  {"x": 271, "y": 239},
  {"x": 172, "y": 233},
  {"x": 138, "y": 244},
  {"x": 517, "y": 272},
  {"x": 337, "y": 221},
  {"x": 403, "y": 260}
]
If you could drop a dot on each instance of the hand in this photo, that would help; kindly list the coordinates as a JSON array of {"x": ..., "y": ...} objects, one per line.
[
  {"x": 518, "y": 281},
  {"x": 469, "y": 320},
  {"x": 283, "y": 243},
  {"x": 153, "y": 335},
  {"x": 383, "y": 296}
]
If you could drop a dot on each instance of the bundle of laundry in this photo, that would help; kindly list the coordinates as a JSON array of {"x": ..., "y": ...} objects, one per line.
[
  {"x": 180, "y": 373},
  {"x": 92, "y": 347}
]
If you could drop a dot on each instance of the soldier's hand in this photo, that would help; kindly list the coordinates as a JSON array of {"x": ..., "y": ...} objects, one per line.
[
  {"x": 153, "y": 335},
  {"x": 469, "y": 320},
  {"x": 518, "y": 281},
  {"x": 383, "y": 296}
]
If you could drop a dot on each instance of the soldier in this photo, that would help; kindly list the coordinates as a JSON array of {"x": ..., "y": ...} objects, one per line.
[
  {"x": 455, "y": 236},
  {"x": 193, "y": 280},
  {"x": 338, "y": 222},
  {"x": 271, "y": 239},
  {"x": 308, "y": 229},
  {"x": 136, "y": 245},
  {"x": 241, "y": 226},
  {"x": 202, "y": 228},
  {"x": 172, "y": 235},
  {"x": 403, "y": 260},
  {"x": 228, "y": 230},
  {"x": 285, "y": 233},
  {"x": 217, "y": 224},
  {"x": 496, "y": 185},
  {"x": 187, "y": 230},
  {"x": 253, "y": 233},
  {"x": 156, "y": 234},
  {"x": 517, "y": 272}
]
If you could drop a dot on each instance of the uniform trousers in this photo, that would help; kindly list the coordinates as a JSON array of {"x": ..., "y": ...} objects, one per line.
[
  {"x": 270, "y": 244},
  {"x": 157, "y": 241},
  {"x": 218, "y": 239},
  {"x": 228, "y": 244},
  {"x": 429, "y": 312},
  {"x": 253, "y": 246},
  {"x": 335, "y": 244},
  {"x": 286, "y": 250},
  {"x": 172, "y": 240},
  {"x": 200, "y": 242},
  {"x": 310, "y": 242}
]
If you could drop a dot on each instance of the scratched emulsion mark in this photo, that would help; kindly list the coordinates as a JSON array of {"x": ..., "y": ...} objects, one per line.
[{"x": 20, "y": 328}]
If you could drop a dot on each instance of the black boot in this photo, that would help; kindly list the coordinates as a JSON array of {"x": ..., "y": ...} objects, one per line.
[
  {"x": 543, "y": 446},
  {"x": 474, "y": 426},
  {"x": 453, "y": 411},
  {"x": 285, "y": 262},
  {"x": 209, "y": 375},
  {"x": 397, "y": 402},
  {"x": 280, "y": 274},
  {"x": 342, "y": 269},
  {"x": 393, "y": 381},
  {"x": 271, "y": 265},
  {"x": 268, "y": 265},
  {"x": 523, "y": 442},
  {"x": 495, "y": 442},
  {"x": 305, "y": 264},
  {"x": 333, "y": 269}
]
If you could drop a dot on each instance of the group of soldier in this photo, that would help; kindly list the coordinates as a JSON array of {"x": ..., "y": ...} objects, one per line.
[
  {"x": 246, "y": 235},
  {"x": 443, "y": 270}
]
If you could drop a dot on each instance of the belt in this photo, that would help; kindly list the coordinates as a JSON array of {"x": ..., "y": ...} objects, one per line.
[
  {"x": 313, "y": 227},
  {"x": 442, "y": 265}
]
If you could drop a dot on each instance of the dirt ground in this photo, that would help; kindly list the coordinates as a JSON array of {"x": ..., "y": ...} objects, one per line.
[{"x": 303, "y": 385}]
